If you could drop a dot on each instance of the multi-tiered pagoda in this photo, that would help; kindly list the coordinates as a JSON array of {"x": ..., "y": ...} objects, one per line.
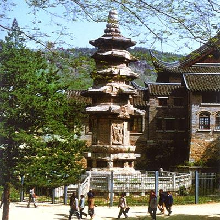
[{"x": 111, "y": 108}]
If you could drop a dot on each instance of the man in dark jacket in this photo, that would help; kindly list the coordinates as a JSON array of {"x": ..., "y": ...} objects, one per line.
[
  {"x": 161, "y": 203},
  {"x": 169, "y": 202}
]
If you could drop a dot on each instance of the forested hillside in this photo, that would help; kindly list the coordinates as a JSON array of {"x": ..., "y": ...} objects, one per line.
[{"x": 75, "y": 65}]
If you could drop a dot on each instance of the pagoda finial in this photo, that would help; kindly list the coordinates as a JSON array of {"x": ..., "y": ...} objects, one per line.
[{"x": 112, "y": 27}]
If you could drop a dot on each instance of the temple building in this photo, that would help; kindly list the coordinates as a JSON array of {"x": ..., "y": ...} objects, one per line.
[
  {"x": 168, "y": 122},
  {"x": 183, "y": 109}
]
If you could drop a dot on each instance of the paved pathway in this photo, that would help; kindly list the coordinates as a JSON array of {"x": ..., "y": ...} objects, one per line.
[{"x": 19, "y": 211}]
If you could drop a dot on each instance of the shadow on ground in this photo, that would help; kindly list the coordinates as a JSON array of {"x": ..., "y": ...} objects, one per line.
[
  {"x": 63, "y": 216},
  {"x": 182, "y": 217}
]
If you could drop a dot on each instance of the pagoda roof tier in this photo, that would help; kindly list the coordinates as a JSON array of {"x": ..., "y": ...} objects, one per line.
[
  {"x": 112, "y": 38},
  {"x": 129, "y": 91},
  {"x": 202, "y": 82},
  {"x": 118, "y": 41},
  {"x": 114, "y": 54},
  {"x": 113, "y": 89},
  {"x": 112, "y": 71},
  {"x": 115, "y": 109}
]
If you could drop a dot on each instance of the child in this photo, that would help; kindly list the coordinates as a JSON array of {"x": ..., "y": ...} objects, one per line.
[{"x": 169, "y": 202}]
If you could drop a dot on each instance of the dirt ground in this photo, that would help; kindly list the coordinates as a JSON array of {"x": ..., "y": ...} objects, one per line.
[{"x": 19, "y": 211}]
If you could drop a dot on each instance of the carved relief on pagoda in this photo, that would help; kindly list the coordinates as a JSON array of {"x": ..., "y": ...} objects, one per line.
[
  {"x": 117, "y": 133},
  {"x": 123, "y": 112}
]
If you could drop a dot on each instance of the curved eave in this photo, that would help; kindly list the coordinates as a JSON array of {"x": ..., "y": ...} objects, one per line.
[
  {"x": 212, "y": 44},
  {"x": 190, "y": 59},
  {"x": 162, "y": 66},
  {"x": 136, "y": 86}
]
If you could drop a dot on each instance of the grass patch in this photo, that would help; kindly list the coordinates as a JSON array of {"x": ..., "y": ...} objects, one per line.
[{"x": 143, "y": 200}]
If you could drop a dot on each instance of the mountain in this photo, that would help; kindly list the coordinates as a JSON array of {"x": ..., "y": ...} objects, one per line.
[{"x": 82, "y": 57}]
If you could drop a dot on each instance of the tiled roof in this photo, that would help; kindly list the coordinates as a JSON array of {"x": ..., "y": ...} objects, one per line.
[
  {"x": 177, "y": 69},
  {"x": 202, "y": 82},
  {"x": 212, "y": 44},
  {"x": 182, "y": 66},
  {"x": 140, "y": 99},
  {"x": 162, "y": 89}
]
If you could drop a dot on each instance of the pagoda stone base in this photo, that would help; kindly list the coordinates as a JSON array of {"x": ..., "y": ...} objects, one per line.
[{"x": 123, "y": 162}]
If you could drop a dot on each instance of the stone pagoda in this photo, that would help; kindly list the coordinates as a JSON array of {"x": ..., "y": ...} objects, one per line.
[{"x": 111, "y": 109}]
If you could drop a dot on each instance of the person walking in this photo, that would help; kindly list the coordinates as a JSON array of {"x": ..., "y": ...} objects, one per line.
[
  {"x": 32, "y": 198},
  {"x": 150, "y": 197},
  {"x": 161, "y": 203},
  {"x": 169, "y": 202},
  {"x": 122, "y": 204},
  {"x": 82, "y": 206},
  {"x": 74, "y": 206},
  {"x": 91, "y": 203},
  {"x": 153, "y": 205}
]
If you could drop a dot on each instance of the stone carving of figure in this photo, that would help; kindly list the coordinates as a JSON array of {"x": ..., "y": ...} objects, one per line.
[
  {"x": 117, "y": 134},
  {"x": 123, "y": 113}
]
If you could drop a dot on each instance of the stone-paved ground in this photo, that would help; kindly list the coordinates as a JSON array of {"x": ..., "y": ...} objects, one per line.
[{"x": 19, "y": 211}]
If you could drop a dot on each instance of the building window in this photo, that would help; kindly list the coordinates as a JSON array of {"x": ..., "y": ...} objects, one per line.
[
  {"x": 170, "y": 124},
  {"x": 162, "y": 101},
  {"x": 159, "y": 124},
  {"x": 204, "y": 120},
  {"x": 217, "y": 121},
  {"x": 178, "y": 101},
  {"x": 136, "y": 124}
]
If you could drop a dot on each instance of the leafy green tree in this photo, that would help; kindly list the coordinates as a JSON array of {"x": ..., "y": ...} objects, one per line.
[{"x": 39, "y": 124}]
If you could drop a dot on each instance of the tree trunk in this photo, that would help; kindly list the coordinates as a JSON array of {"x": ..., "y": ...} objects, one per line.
[{"x": 6, "y": 201}]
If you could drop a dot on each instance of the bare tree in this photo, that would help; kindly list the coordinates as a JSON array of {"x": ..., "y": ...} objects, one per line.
[{"x": 154, "y": 21}]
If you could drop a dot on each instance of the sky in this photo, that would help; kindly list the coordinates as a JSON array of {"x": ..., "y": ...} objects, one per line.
[
  {"x": 81, "y": 32},
  {"x": 77, "y": 33}
]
